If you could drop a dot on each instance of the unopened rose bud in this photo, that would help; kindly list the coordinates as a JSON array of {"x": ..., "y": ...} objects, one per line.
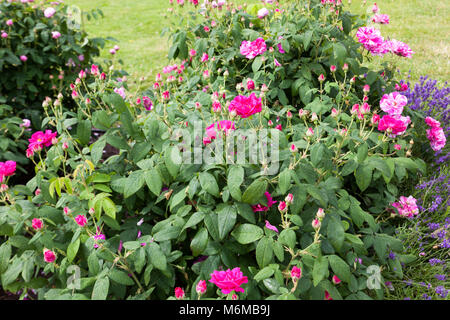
[
  {"x": 366, "y": 88},
  {"x": 314, "y": 117},
  {"x": 3, "y": 188},
  {"x": 316, "y": 224},
  {"x": 334, "y": 113},
  {"x": 345, "y": 67},
  {"x": 282, "y": 206},
  {"x": 293, "y": 148},
  {"x": 91, "y": 211},
  {"x": 289, "y": 115},
  {"x": 321, "y": 78},
  {"x": 320, "y": 213},
  {"x": 289, "y": 198},
  {"x": 333, "y": 68}
]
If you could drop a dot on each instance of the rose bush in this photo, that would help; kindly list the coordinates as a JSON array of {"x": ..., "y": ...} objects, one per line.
[{"x": 306, "y": 217}]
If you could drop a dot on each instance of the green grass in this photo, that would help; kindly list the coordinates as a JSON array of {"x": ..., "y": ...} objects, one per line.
[{"x": 137, "y": 26}]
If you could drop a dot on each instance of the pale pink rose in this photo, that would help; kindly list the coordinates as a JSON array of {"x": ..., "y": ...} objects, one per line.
[
  {"x": 49, "y": 12},
  {"x": 393, "y": 103},
  {"x": 381, "y": 18},
  {"x": 252, "y": 49},
  {"x": 56, "y": 34},
  {"x": 407, "y": 207}
]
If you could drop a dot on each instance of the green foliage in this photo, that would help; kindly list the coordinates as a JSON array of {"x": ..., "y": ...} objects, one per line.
[{"x": 171, "y": 223}]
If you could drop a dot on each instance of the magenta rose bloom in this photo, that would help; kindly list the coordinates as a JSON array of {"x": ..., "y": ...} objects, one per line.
[
  {"x": 260, "y": 208},
  {"x": 399, "y": 48},
  {"x": 393, "y": 125},
  {"x": 246, "y": 106},
  {"x": 49, "y": 256},
  {"x": 7, "y": 169},
  {"x": 437, "y": 138},
  {"x": 252, "y": 49},
  {"x": 229, "y": 280}
]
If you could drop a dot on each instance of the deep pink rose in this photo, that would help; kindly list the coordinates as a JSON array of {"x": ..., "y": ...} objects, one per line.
[
  {"x": 229, "y": 280},
  {"x": 252, "y": 49},
  {"x": 246, "y": 106}
]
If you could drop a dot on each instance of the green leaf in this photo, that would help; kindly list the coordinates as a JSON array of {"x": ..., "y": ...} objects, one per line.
[
  {"x": 133, "y": 183},
  {"x": 84, "y": 130},
  {"x": 257, "y": 63},
  {"x": 247, "y": 233},
  {"x": 245, "y": 211},
  {"x": 13, "y": 271},
  {"x": 340, "y": 268},
  {"x": 284, "y": 181},
  {"x": 264, "y": 252},
  {"x": 178, "y": 198},
  {"x": 121, "y": 277},
  {"x": 316, "y": 194},
  {"x": 172, "y": 160},
  {"x": 101, "y": 288},
  {"x": 361, "y": 154},
  {"x": 264, "y": 274},
  {"x": 157, "y": 257},
  {"x": 226, "y": 220},
  {"x": 169, "y": 233},
  {"x": 209, "y": 183},
  {"x": 140, "y": 150},
  {"x": 199, "y": 242},
  {"x": 336, "y": 233},
  {"x": 97, "y": 150},
  {"x": 317, "y": 152},
  {"x": 109, "y": 207},
  {"x": 5, "y": 255},
  {"x": 320, "y": 270},
  {"x": 288, "y": 238},
  {"x": 153, "y": 181},
  {"x": 72, "y": 250},
  {"x": 235, "y": 179},
  {"x": 349, "y": 167},
  {"x": 255, "y": 191},
  {"x": 363, "y": 176}
]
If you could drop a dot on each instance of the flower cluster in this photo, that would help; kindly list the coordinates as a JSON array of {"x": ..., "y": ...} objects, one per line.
[
  {"x": 211, "y": 131},
  {"x": 393, "y": 123},
  {"x": 373, "y": 41},
  {"x": 254, "y": 48},
  {"x": 407, "y": 207},
  {"x": 39, "y": 140}
]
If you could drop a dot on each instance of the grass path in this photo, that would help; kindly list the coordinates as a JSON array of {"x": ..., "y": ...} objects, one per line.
[{"x": 137, "y": 24}]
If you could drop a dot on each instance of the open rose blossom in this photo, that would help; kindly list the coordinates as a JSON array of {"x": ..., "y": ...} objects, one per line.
[
  {"x": 296, "y": 273},
  {"x": 381, "y": 18},
  {"x": 229, "y": 280},
  {"x": 394, "y": 125},
  {"x": 399, "y": 48},
  {"x": 393, "y": 103},
  {"x": 36, "y": 224},
  {"x": 7, "y": 169},
  {"x": 406, "y": 207},
  {"x": 246, "y": 106},
  {"x": 49, "y": 256},
  {"x": 81, "y": 220},
  {"x": 254, "y": 48},
  {"x": 435, "y": 134},
  {"x": 39, "y": 140},
  {"x": 372, "y": 40},
  {"x": 260, "y": 208}
]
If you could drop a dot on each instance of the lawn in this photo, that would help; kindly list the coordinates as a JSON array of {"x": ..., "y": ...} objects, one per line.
[{"x": 137, "y": 26}]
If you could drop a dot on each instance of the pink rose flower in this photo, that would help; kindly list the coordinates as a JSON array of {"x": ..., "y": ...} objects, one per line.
[
  {"x": 81, "y": 220},
  {"x": 437, "y": 138},
  {"x": 263, "y": 13},
  {"x": 56, "y": 34},
  {"x": 336, "y": 279},
  {"x": 252, "y": 49},
  {"x": 7, "y": 169},
  {"x": 296, "y": 273},
  {"x": 394, "y": 125},
  {"x": 49, "y": 12},
  {"x": 179, "y": 293},
  {"x": 399, "y": 48},
  {"x": 406, "y": 207},
  {"x": 201, "y": 287},
  {"x": 381, "y": 18},
  {"x": 261, "y": 208},
  {"x": 393, "y": 103},
  {"x": 36, "y": 224},
  {"x": 229, "y": 280},
  {"x": 246, "y": 106},
  {"x": 432, "y": 122},
  {"x": 49, "y": 256}
]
